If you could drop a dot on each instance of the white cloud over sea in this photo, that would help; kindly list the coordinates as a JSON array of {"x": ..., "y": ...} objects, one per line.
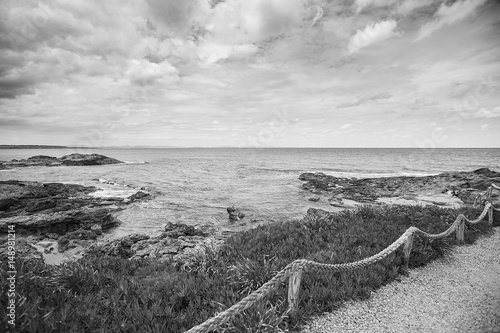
[{"x": 344, "y": 73}]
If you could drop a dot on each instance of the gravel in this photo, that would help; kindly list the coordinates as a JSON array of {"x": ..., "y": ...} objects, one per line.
[{"x": 460, "y": 293}]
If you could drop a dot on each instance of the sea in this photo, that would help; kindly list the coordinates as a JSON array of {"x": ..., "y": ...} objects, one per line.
[{"x": 196, "y": 185}]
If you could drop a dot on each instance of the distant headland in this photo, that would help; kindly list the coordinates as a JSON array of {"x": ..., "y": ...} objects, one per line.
[{"x": 32, "y": 147}]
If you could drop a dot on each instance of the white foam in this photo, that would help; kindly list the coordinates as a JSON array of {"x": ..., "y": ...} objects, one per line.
[{"x": 113, "y": 193}]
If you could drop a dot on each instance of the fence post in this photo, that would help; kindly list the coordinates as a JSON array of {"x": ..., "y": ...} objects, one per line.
[
  {"x": 490, "y": 215},
  {"x": 294, "y": 290},
  {"x": 407, "y": 250},
  {"x": 460, "y": 230}
]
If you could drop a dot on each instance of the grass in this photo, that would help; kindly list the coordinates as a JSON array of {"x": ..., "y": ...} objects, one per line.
[{"x": 106, "y": 294}]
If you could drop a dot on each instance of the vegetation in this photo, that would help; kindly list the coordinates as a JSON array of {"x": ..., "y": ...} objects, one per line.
[{"x": 104, "y": 294}]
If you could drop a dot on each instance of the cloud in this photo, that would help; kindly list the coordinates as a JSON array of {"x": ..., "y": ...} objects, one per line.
[
  {"x": 409, "y": 5},
  {"x": 365, "y": 99},
  {"x": 361, "y": 4},
  {"x": 373, "y": 33},
  {"x": 345, "y": 126},
  {"x": 485, "y": 127},
  {"x": 267, "y": 18},
  {"x": 142, "y": 72},
  {"x": 487, "y": 113},
  {"x": 425, "y": 102},
  {"x": 447, "y": 15}
]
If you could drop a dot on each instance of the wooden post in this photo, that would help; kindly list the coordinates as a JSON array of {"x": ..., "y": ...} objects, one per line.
[
  {"x": 407, "y": 250},
  {"x": 294, "y": 290},
  {"x": 460, "y": 231},
  {"x": 490, "y": 215}
]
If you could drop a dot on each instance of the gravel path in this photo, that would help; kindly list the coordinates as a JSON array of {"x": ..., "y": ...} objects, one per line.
[{"x": 458, "y": 294}]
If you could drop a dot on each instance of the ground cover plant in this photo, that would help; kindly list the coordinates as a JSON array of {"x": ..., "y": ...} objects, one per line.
[{"x": 106, "y": 294}]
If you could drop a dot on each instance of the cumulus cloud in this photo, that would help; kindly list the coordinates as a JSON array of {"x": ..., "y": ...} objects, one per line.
[
  {"x": 364, "y": 99},
  {"x": 143, "y": 72},
  {"x": 447, "y": 15},
  {"x": 373, "y": 33}
]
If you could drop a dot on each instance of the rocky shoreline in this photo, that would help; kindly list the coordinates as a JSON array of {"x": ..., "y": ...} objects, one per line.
[
  {"x": 60, "y": 222},
  {"x": 450, "y": 187},
  {"x": 56, "y": 217}
]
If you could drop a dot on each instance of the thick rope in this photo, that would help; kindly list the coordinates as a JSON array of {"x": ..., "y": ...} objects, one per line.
[
  {"x": 309, "y": 265},
  {"x": 487, "y": 194}
]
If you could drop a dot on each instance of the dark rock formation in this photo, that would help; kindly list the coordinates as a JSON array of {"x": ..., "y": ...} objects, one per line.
[
  {"x": 463, "y": 185},
  {"x": 169, "y": 244},
  {"x": 234, "y": 214},
  {"x": 58, "y": 211},
  {"x": 23, "y": 250},
  {"x": 317, "y": 212},
  {"x": 68, "y": 160},
  {"x": 176, "y": 230}
]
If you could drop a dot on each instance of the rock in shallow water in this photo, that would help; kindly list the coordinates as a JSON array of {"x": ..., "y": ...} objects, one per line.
[{"x": 235, "y": 214}]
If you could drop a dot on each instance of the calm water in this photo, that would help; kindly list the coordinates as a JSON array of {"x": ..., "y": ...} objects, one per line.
[{"x": 198, "y": 184}]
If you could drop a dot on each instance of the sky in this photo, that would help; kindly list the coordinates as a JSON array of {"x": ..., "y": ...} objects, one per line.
[{"x": 250, "y": 73}]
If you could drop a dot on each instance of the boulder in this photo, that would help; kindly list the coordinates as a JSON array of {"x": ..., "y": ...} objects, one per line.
[
  {"x": 138, "y": 196},
  {"x": 316, "y": 212},
  {"x": 118, "y": 247},
  {"x": 234, "y": 214},
  {"x": 176, "y": 230}
]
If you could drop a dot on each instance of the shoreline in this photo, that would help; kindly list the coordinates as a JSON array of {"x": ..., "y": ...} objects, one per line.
[{"x": 339, "y": 192}]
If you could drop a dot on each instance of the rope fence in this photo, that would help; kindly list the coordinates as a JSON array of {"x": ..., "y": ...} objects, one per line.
[{"x": 295, "y": 270}]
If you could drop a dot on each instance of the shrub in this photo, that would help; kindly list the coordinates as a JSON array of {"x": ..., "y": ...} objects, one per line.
[{"x": 108, "y": 294}]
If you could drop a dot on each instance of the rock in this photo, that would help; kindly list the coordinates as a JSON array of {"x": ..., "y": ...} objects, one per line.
[
  {"x": 35, "y": 206},
  {"x": 23, "y": 250},
  {"x": 118, "y": 247},
  {"x": 97, "y": 229},
  {"x": 176, "y": 230},
  {"x": 68, "y": 160},
  {"x": 51, "y": 235},
  {"x": 234, "y": 214},
  {"x": 45, "y": 244},
  {"x": 313, "y": 199},
  {"x": 65, "y": 241},
  {"x": 464, "y": 185},
  {"x": 87, "y": 159},
  {"x": 7, "y": 203},
  {"x": 316, "y": 212},
  {"x": 336, "y": 202},
  {"x": 139, "y": 195}
]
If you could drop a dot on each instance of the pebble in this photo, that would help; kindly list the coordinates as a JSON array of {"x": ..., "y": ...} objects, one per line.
[{"x": 460, "y": 293}]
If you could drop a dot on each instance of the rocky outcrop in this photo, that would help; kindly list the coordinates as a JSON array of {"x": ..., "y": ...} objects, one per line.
[
  {"x": 234, "y": 214},
  {"x": 170, "y": 244},
  {"x": 54, "y": 211},
  {"x": 68, "y": 160},
  {"x": 463, "y": 185}
]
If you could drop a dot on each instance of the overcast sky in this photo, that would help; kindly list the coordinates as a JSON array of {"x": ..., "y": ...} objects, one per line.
[{"x": 250, "y": 73}]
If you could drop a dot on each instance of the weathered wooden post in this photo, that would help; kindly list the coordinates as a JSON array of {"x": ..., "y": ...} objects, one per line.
[
  {"x": 490, "y": 215},
  {"x": 461, "y": 230},
  {"x": 407, "y": 251},
  {"x": 294, "y": 290}
]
